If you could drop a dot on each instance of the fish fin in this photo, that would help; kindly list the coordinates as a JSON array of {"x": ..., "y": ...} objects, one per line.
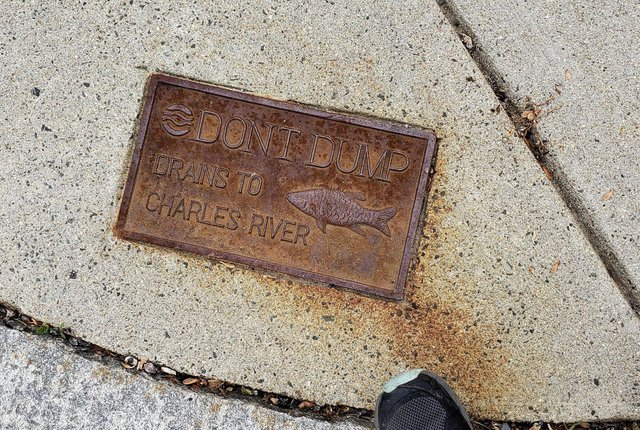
[
  {"x": 357, "y": 229},
  {"x": 357, "y": 195},
  {"x": 321, "y": 225},
  {"x": 380, "y": 219}
]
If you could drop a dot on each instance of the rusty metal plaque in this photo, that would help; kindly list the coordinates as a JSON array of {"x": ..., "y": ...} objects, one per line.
[{"x": 277, "y": 185}]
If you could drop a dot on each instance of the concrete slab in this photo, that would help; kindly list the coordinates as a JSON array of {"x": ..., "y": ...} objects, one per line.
[
  {"x": 587, "y": 51},
  {"x": 46, "y": 385},
  {"x": 507, "y": 300}
]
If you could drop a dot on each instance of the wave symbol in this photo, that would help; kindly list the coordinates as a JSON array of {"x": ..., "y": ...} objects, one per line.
[{"x": 177, "y": 120}]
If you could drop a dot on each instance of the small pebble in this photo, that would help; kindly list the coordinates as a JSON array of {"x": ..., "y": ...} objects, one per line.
[
  {"x": 150, "y": 368},
  {"x": 168, "y": 371}
]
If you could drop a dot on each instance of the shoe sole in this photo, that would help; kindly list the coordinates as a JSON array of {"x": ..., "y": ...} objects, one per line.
[{"x": 440, "y": 381}]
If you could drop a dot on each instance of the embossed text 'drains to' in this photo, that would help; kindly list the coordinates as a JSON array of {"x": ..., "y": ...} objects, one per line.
[{"x": 276, "y": 185}]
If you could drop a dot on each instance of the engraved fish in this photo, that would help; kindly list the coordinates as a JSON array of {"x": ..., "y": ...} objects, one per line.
[{"x": 341, "y": 209}]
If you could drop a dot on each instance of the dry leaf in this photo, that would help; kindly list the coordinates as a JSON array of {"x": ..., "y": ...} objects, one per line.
[
  {"x": 531, "y": 114},
  {"x": 548, "y": 173},
  {"x": 306, "y": 405},
  {"x": 214, "y": 384},
  {"x": 607, "y": 196},
  {"x": 274, "y": 400},
  {"x": 190, "y": 381},
  {"x": 227, "y": 265},
  {"x": 567, "y": 75},
  {"x": 555, "y": 266},
  {"x": 142, "y": 362},
  {"x": 468, "y": 41}
]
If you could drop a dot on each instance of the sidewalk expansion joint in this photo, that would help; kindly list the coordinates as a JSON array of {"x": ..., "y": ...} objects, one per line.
[
  {"x": 13, "y": 319},
  {"x": 524, "y": 118}
]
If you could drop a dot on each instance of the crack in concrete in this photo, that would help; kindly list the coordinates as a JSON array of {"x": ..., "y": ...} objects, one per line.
[{"x": 528, "y": 132}]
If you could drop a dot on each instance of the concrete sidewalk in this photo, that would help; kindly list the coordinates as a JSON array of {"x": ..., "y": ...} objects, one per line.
[
  {"x": 46, "y": 385},
  {"x": 508, "y": 299},
  {"x": 582, "y": 58}
]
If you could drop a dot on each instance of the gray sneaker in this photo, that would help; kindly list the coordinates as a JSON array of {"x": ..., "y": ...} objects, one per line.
[{"x": 420, "y": 400}]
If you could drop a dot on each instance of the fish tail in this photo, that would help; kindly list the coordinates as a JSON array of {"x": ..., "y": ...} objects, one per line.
[{"x": 380, "y": 219}]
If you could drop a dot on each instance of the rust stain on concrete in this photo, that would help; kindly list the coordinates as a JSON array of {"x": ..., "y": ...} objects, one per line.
[{"x": 433, "y": 327}]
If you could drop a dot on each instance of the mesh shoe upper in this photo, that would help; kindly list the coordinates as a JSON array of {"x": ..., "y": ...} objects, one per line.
[{"x": 424, "y": 403}]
